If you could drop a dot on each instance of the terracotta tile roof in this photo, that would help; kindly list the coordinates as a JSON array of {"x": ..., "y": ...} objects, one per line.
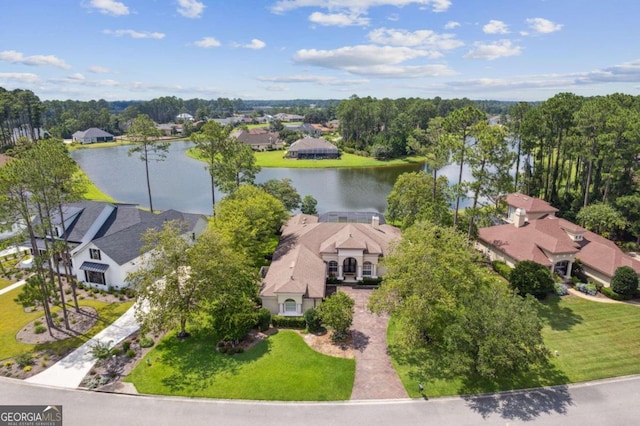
[
  {"x": 530, "y": 204},
  {"x": 297, "y": 265},
  {"x": 530, "y": 242}
]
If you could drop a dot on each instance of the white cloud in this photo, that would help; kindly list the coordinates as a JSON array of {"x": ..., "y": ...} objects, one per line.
[
  {"x": 543, "y": 26},
  {"x": 357, "y": 6},
  {"x": 371, "y": 60},
  {"x": 36, "y": 60},
  {"x": 109, "y": 7},
  {"x": 77, "y": 76},
  {"x": 451, "y": 25},
  {"x": 495, "y": 27},
  {"x": 337, "y": 19},
  {"x": 313, "y": 79},
  {"x": 207, "y": 42},
  {"x": 394, "y": 17},
  {"x": 491, "y": 51},
  {"x": 135, "y": 34},
  {"x": 190, "y": 8},
  {"x": 97, "y": 69},
  {"x": 419, "y": 38},
  {"x": 255, "y": 44},
  {"x": 25, "y": 77}
]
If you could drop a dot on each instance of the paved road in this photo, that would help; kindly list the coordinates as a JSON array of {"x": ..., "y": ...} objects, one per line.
[
  {"x": 375, "y": 376},
  {"x": 610, "y": 402}
]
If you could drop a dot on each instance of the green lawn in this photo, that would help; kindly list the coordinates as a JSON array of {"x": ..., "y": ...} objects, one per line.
[
  {"x": 276, "y": 159},
  {"x": 4, "y": 283},
  {"x": 281, "y": 368},
  {"x": 594, "y": 341},
  {"x": 13, "y": 317},
  {"x": 92, "y": 192}
]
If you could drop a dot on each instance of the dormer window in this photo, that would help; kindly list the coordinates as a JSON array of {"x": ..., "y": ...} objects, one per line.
[{"x": 94, "y": 254}]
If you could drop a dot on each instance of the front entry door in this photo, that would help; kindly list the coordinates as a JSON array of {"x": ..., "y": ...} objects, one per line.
[{"x": 349, "y": 266}]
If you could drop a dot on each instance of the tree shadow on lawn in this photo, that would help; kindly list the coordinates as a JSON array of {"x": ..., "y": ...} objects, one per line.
[
  {"x": 560, "y": 318},
  {"x": 487, "y": 396},
  {"x": 196, "y": 361}
]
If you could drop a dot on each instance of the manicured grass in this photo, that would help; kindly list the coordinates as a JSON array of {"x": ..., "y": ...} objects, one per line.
[
  {"x": 92, "y": 192},
  {"x": 119, "y": 142},
  {"x": 594, "y": 341},
  {"x": 276, "y": 159},
  {"x": 281, "y": 368},
  {"x": 13, "y": 318},
  {"x": 4, "y": 283}
]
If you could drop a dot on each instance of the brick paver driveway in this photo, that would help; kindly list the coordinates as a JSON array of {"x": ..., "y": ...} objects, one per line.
[{"x": 375, "y": 376}]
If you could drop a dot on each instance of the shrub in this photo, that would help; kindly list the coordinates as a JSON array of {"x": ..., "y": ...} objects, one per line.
[
  {"x": 529, "y": 277},
  {"x": 239, "y": 350},
  {"x": 625, "y": 281},
  {"x": 39, "y": 329},
  {"x": 502, "y": 269},
  {"x": 37, "y": 323},
  {"x": 264, "y": 319},
  {"x": 101, "y": 350},
  {"x": 131, "y": 353},
  {"x": 126, "y": 345},
  {"x": 24, "y": 359},
  {"x": 8, "y": 364},
  {"x": 607, "y": 291},
  {"x": 67, "y": 291},
  {"x": 561, "y": 289},
  {"x": 146, "y": 342},
  {"x": 222, "y": 349},
  {"x": 313, "y": 321},
  {"x": 116, "y": 351},
  {"x": 589, "y": 289},
  {"x": 27, "y": 368},
  {"x": 370, "y": 281},
  {"x": 288, "y": 322}
]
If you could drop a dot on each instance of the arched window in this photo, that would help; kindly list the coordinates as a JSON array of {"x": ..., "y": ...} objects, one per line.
[
  {"x": 290, "y": 305},
  {"x": 333, "y": 268},
  {"x": 367, "y": 268}
]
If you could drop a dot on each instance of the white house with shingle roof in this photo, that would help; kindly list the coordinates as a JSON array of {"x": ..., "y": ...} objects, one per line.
[
  {"x": 310, "y": 251},
  {"x": 92, "y": 135},
  {"x": 106, "y": 238}
]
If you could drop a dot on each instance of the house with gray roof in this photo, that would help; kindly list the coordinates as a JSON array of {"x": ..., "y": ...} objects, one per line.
[
  {"x": 106, "y": 238},
  {"x": 311, "y": 251},
  {"x": 92, "y": 135},
  {"x": 312, "y": 148}
]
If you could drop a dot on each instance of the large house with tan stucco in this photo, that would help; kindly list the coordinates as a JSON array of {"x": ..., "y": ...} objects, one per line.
[
  {"x": 311, "y": 251},
  {"x": 533, "y": 232}
]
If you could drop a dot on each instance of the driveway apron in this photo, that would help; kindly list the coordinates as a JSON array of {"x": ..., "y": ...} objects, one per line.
[{"x": 375, "y": 376}]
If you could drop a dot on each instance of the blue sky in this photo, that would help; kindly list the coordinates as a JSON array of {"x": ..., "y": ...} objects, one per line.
[{"x": 286, "y": 49}]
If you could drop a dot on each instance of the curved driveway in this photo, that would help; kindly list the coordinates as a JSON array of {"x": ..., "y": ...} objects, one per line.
[{"x": 609, "y": 402}]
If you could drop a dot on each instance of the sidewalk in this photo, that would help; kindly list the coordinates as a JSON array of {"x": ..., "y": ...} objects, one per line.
[
  {"x": 69, "y": 371},
  {"x": 12, "y": 286}
]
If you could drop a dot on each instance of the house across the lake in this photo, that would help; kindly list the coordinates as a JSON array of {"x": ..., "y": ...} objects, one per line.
[
  {"x": 106, "y": 238},
  {"x": 259, "y": 139},
  {"x": 312, "y": 148},
  {"x": 92, "y": 135},
  {"x": 533, "y": 232},
  {"x": 311, "y": 251}
]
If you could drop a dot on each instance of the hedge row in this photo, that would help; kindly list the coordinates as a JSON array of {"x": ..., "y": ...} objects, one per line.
[
  {"x": 607, "y": 291},
  {"x": 502, "y": 269},
  {"x": 288, "y": 322}
]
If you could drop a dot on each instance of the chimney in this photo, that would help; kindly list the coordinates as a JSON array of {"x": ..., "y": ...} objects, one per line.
[
  {"x": 519, "y": 217},
  {"x": 375, "y": 222}
]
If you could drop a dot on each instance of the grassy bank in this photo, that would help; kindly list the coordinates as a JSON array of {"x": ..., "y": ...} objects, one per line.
[
  {"x": 281, "y": 368},
  {"x": 118, "y": 142},
  {"x": 594, "y": 341},
  {"x": 93, "y": 193},
  {"x": 276, "y": 159}
]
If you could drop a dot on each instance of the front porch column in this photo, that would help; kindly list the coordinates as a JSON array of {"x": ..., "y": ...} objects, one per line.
[
  {"x": 359, "y": 273},
  {"x": 374, "y": 271},
  {"x": 340, "y": 276},
  {"x": 299, "y": 308},
  {"x": 280, "y": 308},
  {"x": 568, "y": 275}
]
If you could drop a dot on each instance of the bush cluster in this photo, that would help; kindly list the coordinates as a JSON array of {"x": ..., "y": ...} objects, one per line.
[
  {"x": 288, "y": 322},
  {"x": 313, "y": 321},
  {"x": 608, "y": 291},
  {"x": 146, "y": 342},
  {"x": 589, "y": 289},
  {"x": 263, "y": 319},
  {"x": 502, "y": 269},
  {"x": 561, "y": 289}
]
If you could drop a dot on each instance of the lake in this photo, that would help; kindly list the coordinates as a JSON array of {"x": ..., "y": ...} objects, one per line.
[{"x": 182, "y": 183}]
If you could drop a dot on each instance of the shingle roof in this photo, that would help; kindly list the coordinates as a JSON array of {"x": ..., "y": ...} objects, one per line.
[
  {"x": 92, "y": 132},
  {"x": 530, "y": 204},
  {"x": 256, "y": 138},
  {"x": 297, "y": 263},
  {"x": 312, "y": 143}
]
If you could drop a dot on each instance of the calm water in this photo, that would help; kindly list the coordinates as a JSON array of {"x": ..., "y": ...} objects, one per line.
[{"x": 182, "y": 183}]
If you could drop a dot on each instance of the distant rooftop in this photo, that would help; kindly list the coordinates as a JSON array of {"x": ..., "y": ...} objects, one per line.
[{"x": 350, "y": 217}]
